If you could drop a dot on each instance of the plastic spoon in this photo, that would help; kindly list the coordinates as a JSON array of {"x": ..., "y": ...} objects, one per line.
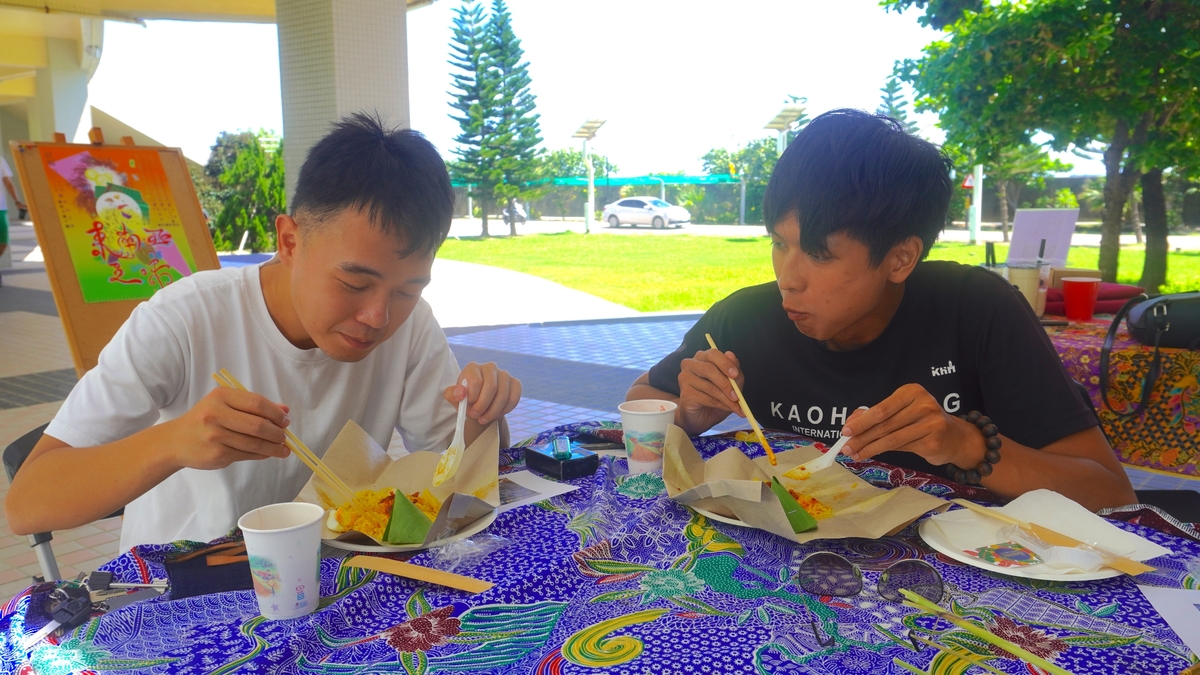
[
  {"x": 448, "y": 465},
  {"x": 823, "y": 462}
]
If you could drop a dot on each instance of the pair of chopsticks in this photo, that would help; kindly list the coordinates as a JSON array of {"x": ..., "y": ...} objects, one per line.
[
  {"x": 746, "y": 409},
  {"x": 918, "y": 602},
  {"x": 226, "y": 379},
  {"x": 1119, "y": 563}
]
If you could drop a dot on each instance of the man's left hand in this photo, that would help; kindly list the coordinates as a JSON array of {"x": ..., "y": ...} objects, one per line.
[
  {"x": 490, "y": 392},
  {"x": 912, "y": 420}
]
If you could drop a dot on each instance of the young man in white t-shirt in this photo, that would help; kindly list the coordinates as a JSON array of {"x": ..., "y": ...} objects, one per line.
[{"x": 333, "y": 328}]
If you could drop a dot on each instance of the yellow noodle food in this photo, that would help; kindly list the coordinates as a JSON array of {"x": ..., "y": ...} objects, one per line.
[{"x": 368, "y": 513}]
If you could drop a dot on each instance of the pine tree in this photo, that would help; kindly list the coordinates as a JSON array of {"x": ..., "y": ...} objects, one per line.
[
  {"x": 893, "y": 105},
  {"x": 475, "y": 97},
  {"x": 517, "y": 132}
]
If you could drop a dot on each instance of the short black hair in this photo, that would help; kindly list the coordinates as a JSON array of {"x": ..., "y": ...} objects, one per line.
[
  {"x": 862, "y": 174},
  {"x": 394, "y": 175}
]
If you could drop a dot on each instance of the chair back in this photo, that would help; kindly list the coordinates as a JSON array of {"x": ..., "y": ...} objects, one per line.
[{"x": 18, "y": 451}]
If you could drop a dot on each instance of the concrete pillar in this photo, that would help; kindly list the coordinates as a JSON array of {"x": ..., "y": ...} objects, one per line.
[
  {"x": 61, "y": 92},
  {"x": 337, "y": 57}
]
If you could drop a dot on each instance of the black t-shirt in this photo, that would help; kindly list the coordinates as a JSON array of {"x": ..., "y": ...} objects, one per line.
[{"x": 963, "y": 333}]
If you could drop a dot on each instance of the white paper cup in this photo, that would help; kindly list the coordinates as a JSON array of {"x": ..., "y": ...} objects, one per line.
[
  {"x": 283, "y": 542},
  {"x": 645, "y": 425}
]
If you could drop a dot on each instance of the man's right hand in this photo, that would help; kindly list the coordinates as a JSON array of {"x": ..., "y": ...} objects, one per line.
[
  {"x": 227, "y": 426},
  {"x": 705, "y": 395}
]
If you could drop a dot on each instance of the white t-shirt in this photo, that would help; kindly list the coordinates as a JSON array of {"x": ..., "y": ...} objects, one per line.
[
  {"x": 5, "y": 172},
  {"x": 159, "y": 365}
]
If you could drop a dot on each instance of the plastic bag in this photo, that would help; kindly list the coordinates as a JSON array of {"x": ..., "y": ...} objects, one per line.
[
  {"x": 1082, "y": 559},
  {"x": 466, "y": 552}
]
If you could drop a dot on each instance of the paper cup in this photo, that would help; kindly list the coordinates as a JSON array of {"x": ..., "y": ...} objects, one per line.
[
  {"x": 645, "y": 429},
  {"x": 1079, "y": 295},
  {"x": 283, "y": 542}
]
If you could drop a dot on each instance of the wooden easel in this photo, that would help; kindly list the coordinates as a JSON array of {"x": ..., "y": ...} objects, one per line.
[{"x": 90, "y": 325}]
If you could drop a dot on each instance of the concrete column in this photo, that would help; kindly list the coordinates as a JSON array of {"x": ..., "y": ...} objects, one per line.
[
  {"x": 61, "y": 92},
  {"x": 337, "y": 57}
]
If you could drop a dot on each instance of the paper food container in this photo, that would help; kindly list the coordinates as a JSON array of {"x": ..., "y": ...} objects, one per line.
[
  {"x": 735, "y": 486},
  {"x": 472, "y": 493}
]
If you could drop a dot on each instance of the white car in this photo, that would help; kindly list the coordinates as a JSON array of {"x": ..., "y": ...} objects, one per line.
[{"x": 650, "y": 211}]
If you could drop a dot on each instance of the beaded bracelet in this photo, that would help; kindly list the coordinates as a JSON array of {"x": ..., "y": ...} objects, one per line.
[{"x": 991, "y": 455}]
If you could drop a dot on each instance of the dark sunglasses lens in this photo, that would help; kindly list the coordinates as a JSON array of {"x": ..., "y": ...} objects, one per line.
[
  {"x": 829, "y": 574},
  {"x": 917, "y": 576}
]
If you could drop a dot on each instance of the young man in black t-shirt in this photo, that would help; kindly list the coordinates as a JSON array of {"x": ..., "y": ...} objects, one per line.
[{"x": 859, "y": 337}]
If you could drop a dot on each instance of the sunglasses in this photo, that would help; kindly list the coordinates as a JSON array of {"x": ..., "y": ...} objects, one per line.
[{"x": 824, "y": 573}]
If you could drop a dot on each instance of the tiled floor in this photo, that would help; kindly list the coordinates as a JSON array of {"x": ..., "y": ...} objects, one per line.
[{"x": 570, "y": 372}]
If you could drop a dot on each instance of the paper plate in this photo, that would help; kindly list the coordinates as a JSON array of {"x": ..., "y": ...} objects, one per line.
[
  {"x": 933, "y": 536},
  {"x": 474, "y": 528}
]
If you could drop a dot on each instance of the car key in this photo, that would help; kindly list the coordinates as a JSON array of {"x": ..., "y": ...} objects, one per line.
[{"x": 69, "y": 606}]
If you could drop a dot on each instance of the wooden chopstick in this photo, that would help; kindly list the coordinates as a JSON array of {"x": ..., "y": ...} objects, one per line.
[
  {"x": 1116, "y": 562},
  {"x": 302, "y": 451},
  {"x": 298, "y": 448},
  {"x": 746, "y": 409},
  {"x": 410, "y": 571}
]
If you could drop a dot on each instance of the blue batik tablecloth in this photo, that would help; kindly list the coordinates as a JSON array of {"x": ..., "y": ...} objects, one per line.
[{"x": 616, "y": 578}]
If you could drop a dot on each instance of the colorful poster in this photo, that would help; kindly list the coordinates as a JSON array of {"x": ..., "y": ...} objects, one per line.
[{"x": 122, "y": 228}]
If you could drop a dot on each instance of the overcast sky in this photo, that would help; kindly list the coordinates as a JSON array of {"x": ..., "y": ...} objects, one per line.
[{"x": 673, "y": 78}]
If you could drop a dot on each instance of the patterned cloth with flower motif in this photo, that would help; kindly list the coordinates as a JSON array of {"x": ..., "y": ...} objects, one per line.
[{"x": 616, "y": 578}]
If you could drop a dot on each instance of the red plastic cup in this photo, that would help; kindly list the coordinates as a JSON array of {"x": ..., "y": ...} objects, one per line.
[{"x": 1080, "y": 295}]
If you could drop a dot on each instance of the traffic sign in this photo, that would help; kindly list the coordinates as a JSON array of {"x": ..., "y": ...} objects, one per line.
[{"x": 968, "y": 182}]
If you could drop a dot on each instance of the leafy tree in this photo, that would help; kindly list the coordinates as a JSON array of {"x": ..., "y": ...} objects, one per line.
[
  {"x": 752, "y": 164},
  {"x": 1113, "y": 72},
  {"x": 1017, "y": 166},
  {"x": 938, "y": 13},
  {"x": 255, "y": 194},
  {"x": 566, "y": 163},
  {"x": 893, "y": 105},
  {"x": 517, "y": 129}
]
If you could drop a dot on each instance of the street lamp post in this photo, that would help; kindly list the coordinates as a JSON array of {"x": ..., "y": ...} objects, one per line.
[
  {"x": 783, "y": 122},
  {"x": 587, "y": 132}
]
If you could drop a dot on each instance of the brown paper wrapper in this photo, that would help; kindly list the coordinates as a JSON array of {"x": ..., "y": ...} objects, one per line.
[
  {"x": 734, "y": 486},
  {"x": 472, "y": 493}
]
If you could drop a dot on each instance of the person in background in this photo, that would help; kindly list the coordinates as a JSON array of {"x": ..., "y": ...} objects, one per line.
[
  {"x": 859, "y": 336},
  {"x": 11, "y": 190}
]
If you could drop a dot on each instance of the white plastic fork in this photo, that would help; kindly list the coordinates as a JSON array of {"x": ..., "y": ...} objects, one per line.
[{"x": 448, "y": 465}]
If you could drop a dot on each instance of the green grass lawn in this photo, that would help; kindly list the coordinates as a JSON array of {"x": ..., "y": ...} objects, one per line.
[{"x": 656, "y": 273}]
